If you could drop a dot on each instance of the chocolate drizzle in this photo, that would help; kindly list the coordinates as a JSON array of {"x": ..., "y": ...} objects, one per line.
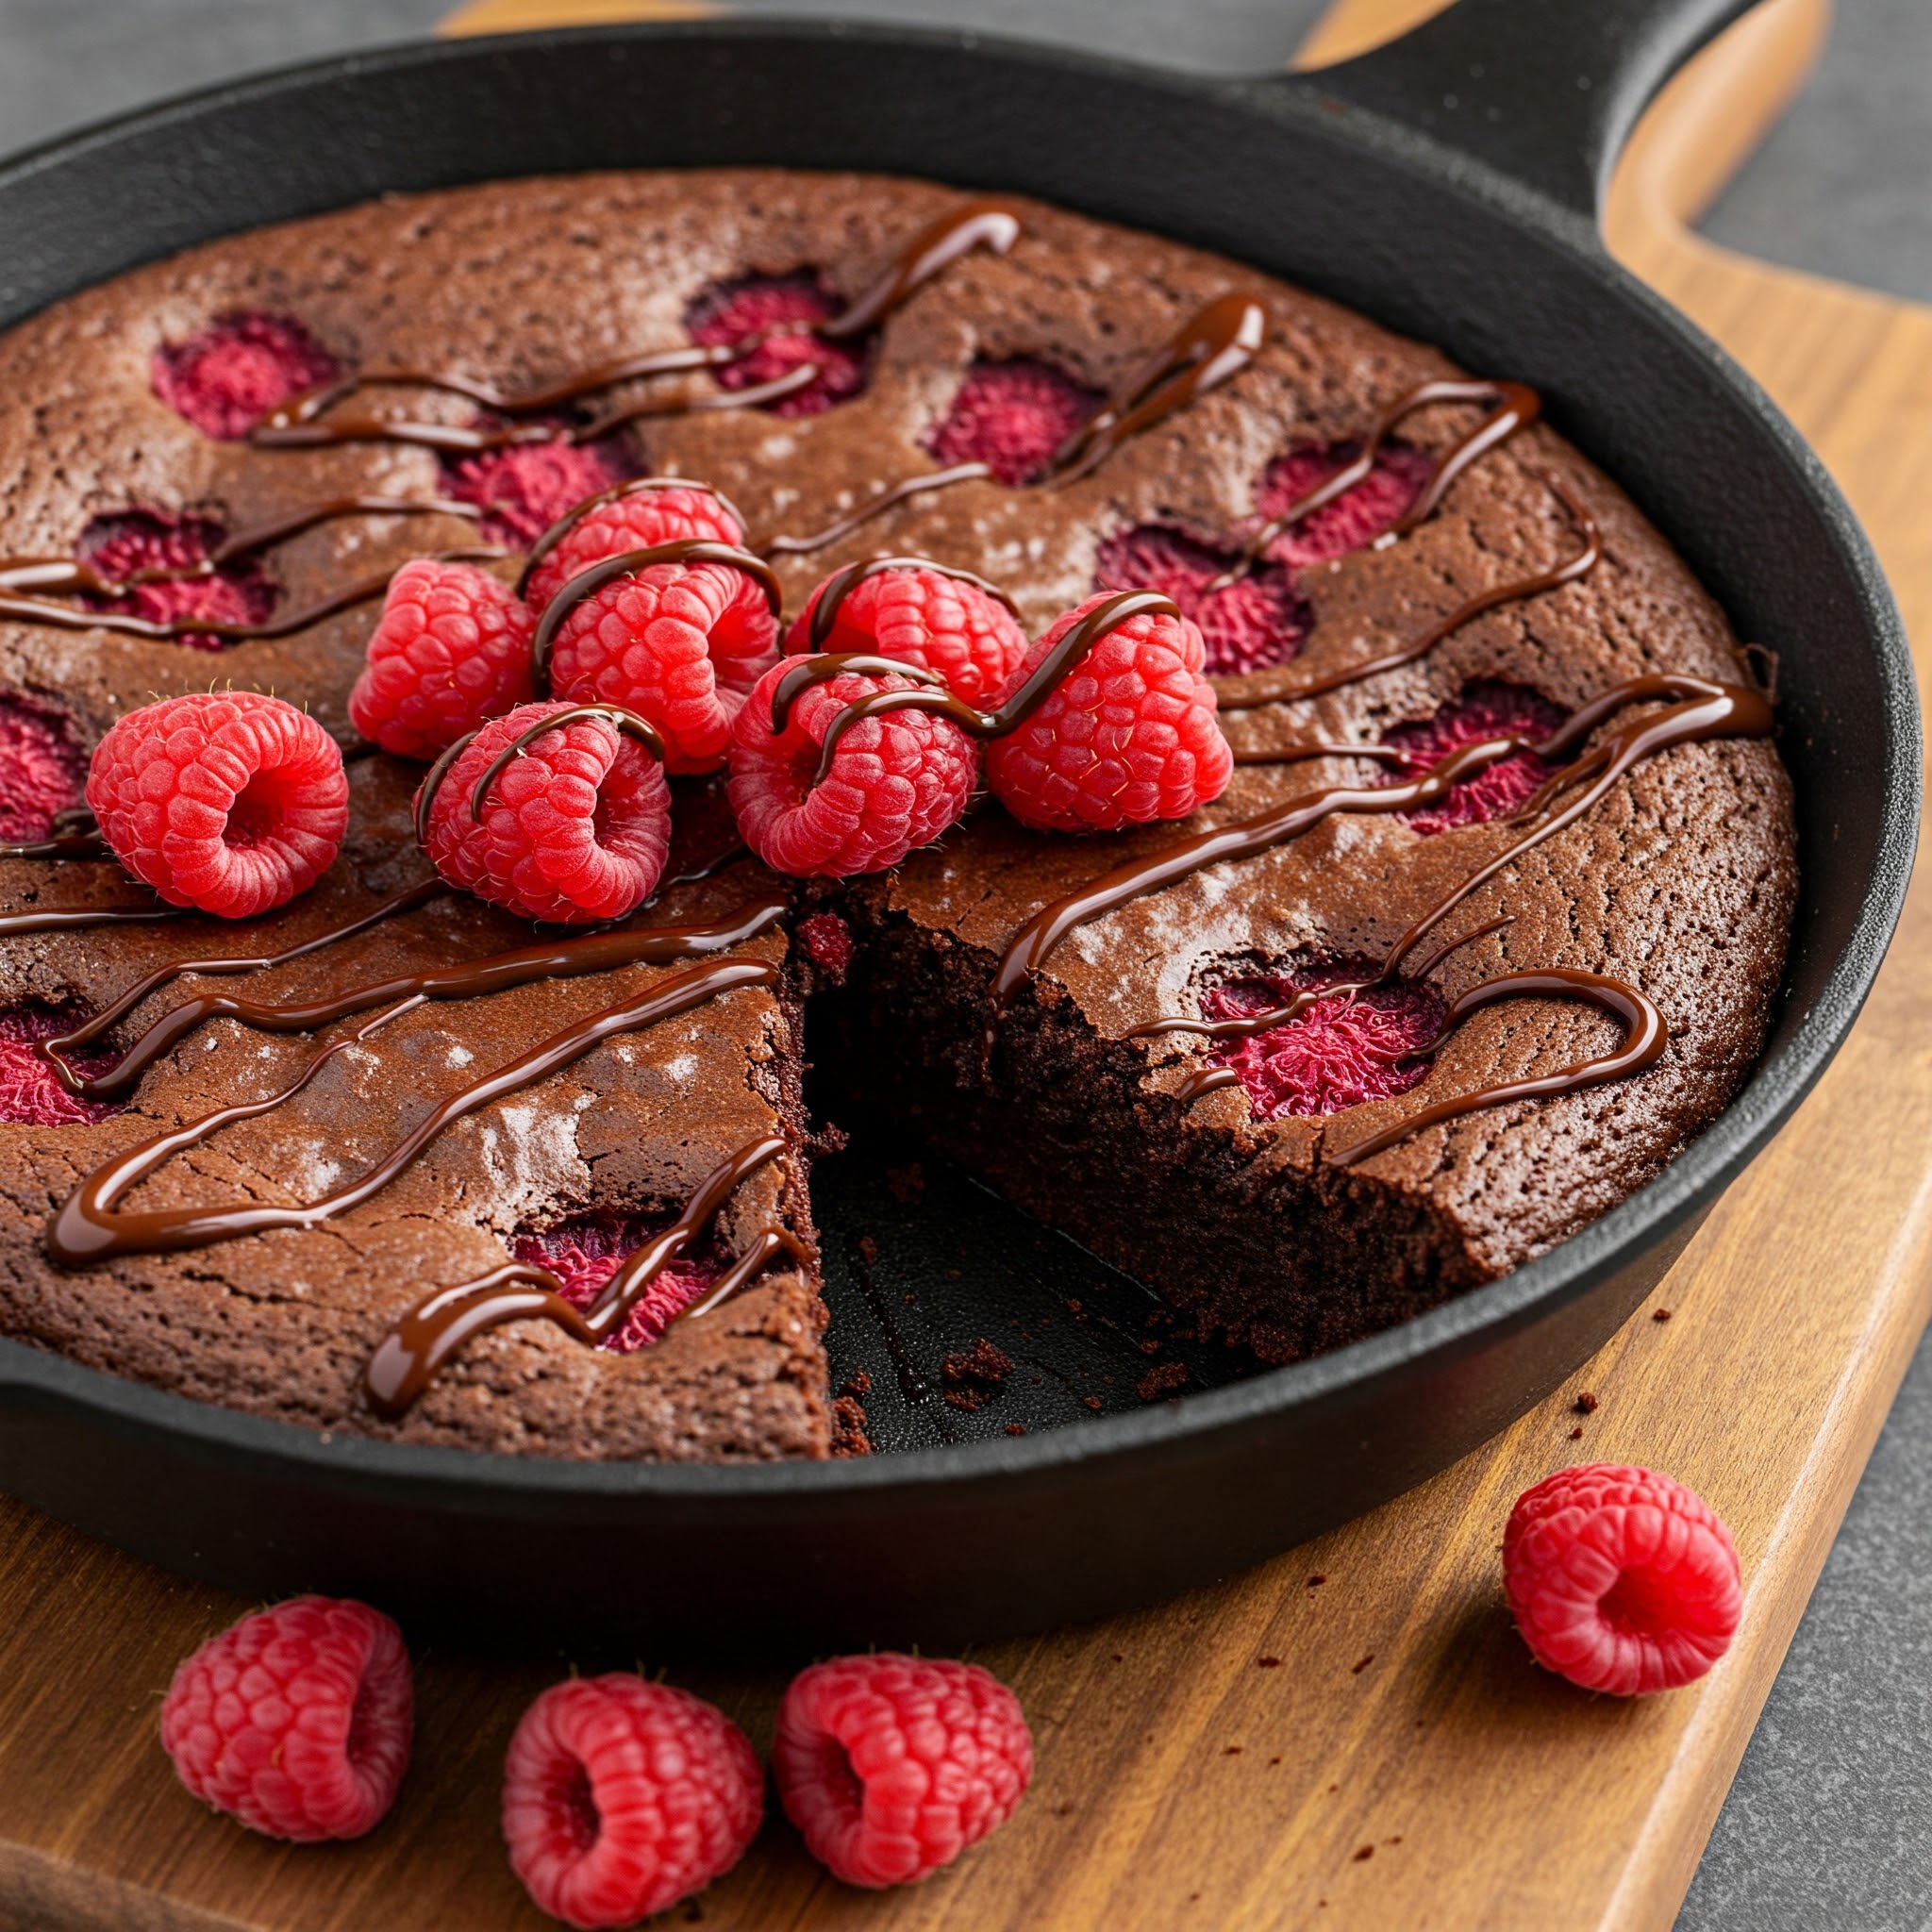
[
  {"x": 86, "y": 1227},
  {"x": 1697, "y": 709},
  {"x": 626, "y": 723},
  {"x": 74, "y": 834},
  {"x": 1211, "y": 347},
  {"x": 901, "y": 492},
  {"x": 305, "y": 422},
  {"x": 1026, "y": 698},
  {"x": 587, "y": 583},
  {"x": 1291, "y": 682},
  {"x": 409, "y": 1355},
  {"x": 637, "y": 486},
  {"x": 841, "y": 583},
  {"x": 1513, "y": 405}
]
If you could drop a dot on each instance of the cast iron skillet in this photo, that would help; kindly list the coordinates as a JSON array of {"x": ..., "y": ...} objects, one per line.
[{"x": 1447, "y": 186}]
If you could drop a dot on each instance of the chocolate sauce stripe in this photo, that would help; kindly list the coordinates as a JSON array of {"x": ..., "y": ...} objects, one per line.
[
  {"x": 408, "y": 1357},
  {"x": 297, "y": 423},
  {"x": 1289, "y": 684},
  {"x": 1514, "y": 407},
  {"x": 1013, "y": 711},
  {"x": 73, "y": 918},
  {"x": 87, "y": 1228},
  {"x": 566, "y": 958},
  {"x": 1703, "y": 709},
  {"x": 841, "y": 583},
  {"x": 901, "y": 491},
  {"x": 74, "y": 617},
  {"x": 624, "y": 721},
  {"x": 617, "y": 492}
]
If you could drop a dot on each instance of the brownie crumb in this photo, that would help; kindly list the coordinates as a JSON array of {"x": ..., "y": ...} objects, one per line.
[
  {"x": 1661, "y": 1314},
  {"x": 1016, "y": 1429},
  {"x": 1366, "y": 1662},
  {"x": 1576, "y": 1434},
  {"x": 848, "y": 1429},
  {"x": 975, "y": 1376},
  {"x": 1316, "y": 1581},
  {"x": 1092, "y": 1402},
  {"x": 1366, "y": 1852},
  {"x": 858, "y": 1385},
  {"x": 1268, "y": 1663},
  {"x": 1586, "y": 1403},
  {"x": 908, "y": 1183},
  {"x": 1230, "y": 1750},
  {"x": 1162, "y": 1381}
]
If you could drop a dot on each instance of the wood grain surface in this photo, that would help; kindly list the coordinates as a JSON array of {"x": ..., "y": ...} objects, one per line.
[{"x": 1351, "y": 1736}]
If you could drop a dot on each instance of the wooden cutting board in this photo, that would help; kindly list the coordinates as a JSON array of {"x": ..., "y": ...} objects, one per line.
[{"x": 1351, "y": 1736}]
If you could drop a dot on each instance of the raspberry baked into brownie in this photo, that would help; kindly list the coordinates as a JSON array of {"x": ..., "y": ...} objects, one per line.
[{"x": 492, "y": 681}]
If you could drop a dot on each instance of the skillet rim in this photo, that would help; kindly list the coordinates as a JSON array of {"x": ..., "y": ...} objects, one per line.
[{"x": 348, "y": 1463}]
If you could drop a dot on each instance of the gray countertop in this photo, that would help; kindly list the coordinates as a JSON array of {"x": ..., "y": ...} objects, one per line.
[{"x": 1829, "y": 1822}]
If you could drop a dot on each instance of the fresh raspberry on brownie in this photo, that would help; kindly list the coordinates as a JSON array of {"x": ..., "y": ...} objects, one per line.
[
  {"x": 1256, "y": 622},
  {"x": 450, "y": 648},
  {"x": 296, "y": 1721},
  {"x": 891, "y": 1766},
  {"x": 1620, "y": 1579},
  {"x": 640, "y": 521},
  {"x": 226, "y": 801},
  {"x": 1356, "y": 517},
  {"x": 1128, "y": 735},
  {"x": 1013, "y": 417},
  {"x": 574, "y": 827},
  {"x": 926, "y": 618},
  {"x": 770, "y": 318},
  {"x": 523, "y": 489},
  {"x": 621, "y": 1797},
  {"x": 896, "y": 781},
  {"x": 42, "y": 766},
  {"x": 121, "y": 547},
  {"x": 228, "y": 376},
  {"x": 679, "y": 643},
  {"x": 1490, "y": 708},
  {"x": 1339, "y": 1052}
]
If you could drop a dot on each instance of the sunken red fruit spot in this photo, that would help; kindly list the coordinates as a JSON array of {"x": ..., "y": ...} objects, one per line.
[
  {"x": 522, "y": 491},
  {"x": 1254, "y": 623},
  {"x": 227, "y": 377},
  {"x": 128, "y": 544},
  {"x": 586, "y": 1252},
  {"x": 772, "y": 317},
  {"x": 1333, "y": 1055},
  {"x": 1358, "y": 516},
  {"x": 42, "y": 767},
  {"x": 827, "y": 943},
  {"x": 1489, "y": 709},
  {"x": 1012, "y": 416},
  {"x": 29, "y": 1093}
]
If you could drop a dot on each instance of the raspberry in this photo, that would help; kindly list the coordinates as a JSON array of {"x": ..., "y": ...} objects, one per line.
[
  {"x": 679, "y": 643},
  {"x": 1333, "y": 1055},
  {"x": 1012, "y": 416},
  {"x": 1128, "y": 734},
  {"x": 1256, "y": 622},
  {"x": 42, "y": 767},
  {"x": 730, "y": 313},
  {"x": 1620, "y": 1579},
  {"x": 925, "y": 617},
  {"x": 523, "y": 489},
  {"x": 450, "y": 648},
  {"x": 638, "y": 521},
  {"x": 226, "y": 801},
  {"x": 828, "y": 944},
  {"x": 29, "y": 1093},
  {"x": 576, "y": 828},
  {"x": 297, "y": 1719},
  {"x": 896, "y": 781},
  {"x": 122, "y": 546},
  {"x": 621, "y": 1797},
  {"x": 229, "y": 375},
  {"x": 1489, "y": 709},
  {"x": 584, "y": 1253},
  {"x": 1355, "y": 518},
  {"x": 891, "y": 1766}
]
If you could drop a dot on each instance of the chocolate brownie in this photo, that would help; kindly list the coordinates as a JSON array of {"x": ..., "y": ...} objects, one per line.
[{"x": 1222, "y": 1170}]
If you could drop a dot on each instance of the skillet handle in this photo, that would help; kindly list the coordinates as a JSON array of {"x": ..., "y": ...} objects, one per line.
[{"x": 1545, "y": 92}]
